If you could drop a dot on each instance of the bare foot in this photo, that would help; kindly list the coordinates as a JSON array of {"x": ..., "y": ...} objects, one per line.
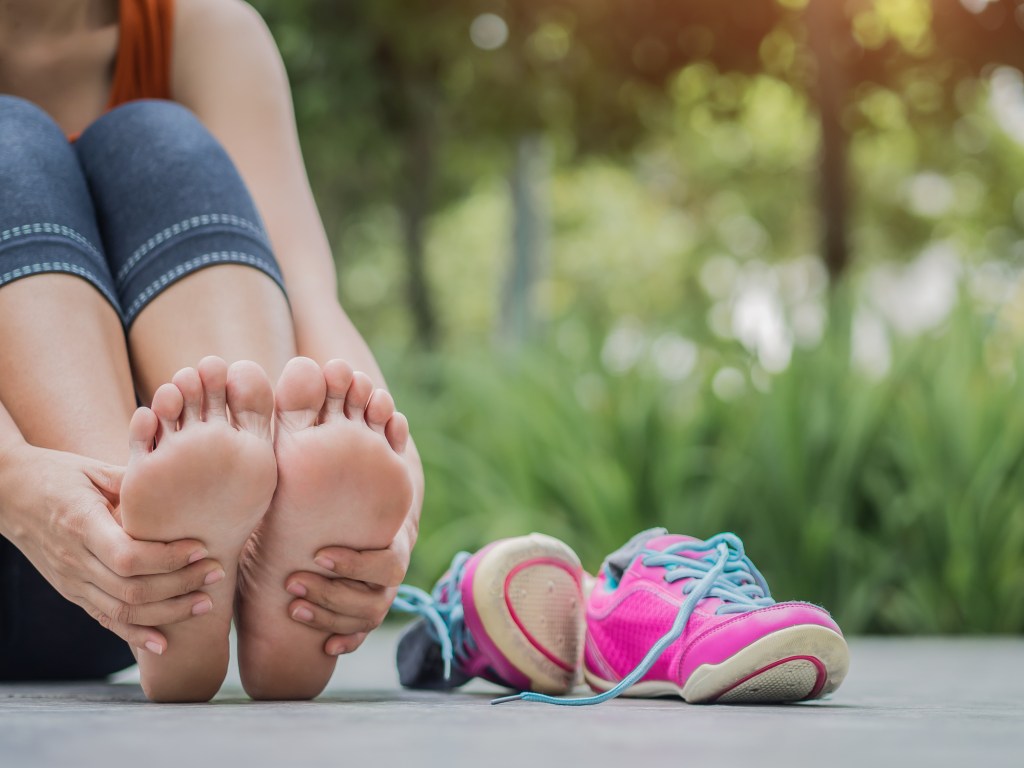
[
  {"x": 342, "y": 481},
  {"x": 194, "y": 473}
]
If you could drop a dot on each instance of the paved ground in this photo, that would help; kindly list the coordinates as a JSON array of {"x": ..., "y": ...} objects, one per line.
[{"x": 906, "y": 703}]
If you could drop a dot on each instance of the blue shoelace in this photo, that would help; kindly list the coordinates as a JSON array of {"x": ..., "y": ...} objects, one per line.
[
  {"x": 442, "y": 608},
  {"x": 725, "y": 572}
]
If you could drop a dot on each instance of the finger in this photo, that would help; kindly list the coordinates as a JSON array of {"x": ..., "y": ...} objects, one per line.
[
  {"x": 139, "y": 590},
  {"x": 383, "y": 567},
  {"x": 337, "y": 645},
  {"x": 106, "y": 478},
  {"x": 304, "y": 612},
  {"x": 343, "y": 596},
  {"x": 137, "y": 637},
  {"x": 127, "y": 557},
  {"x": 172, "y": 611}
]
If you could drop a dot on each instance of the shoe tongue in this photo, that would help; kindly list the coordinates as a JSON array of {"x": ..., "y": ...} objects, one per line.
[
  {"x": 620, "y": 560},
  {"x": 665, "y": 541},
  {"x": 657, "y": 539}
]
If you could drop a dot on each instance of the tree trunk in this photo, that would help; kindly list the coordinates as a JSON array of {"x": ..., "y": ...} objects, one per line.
[
  {"x": 829, "y": 92},
  {"x": 529, "y": 234},
  {"x": 414, "y": 204}
]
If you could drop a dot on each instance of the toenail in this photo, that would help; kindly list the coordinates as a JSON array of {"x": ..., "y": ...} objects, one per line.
[
  {"x": 325, "y": 562},
  {"x": 302, "y": 614},
  {"x": 204, "y": 606},
  {"x": 213, "y": 577},
  {"x": 297, "y": 589}
]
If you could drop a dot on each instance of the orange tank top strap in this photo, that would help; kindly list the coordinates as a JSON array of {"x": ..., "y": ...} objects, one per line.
[{"x": 143, "y": 68}]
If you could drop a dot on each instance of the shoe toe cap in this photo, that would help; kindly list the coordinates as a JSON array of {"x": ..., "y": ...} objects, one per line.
[{"x": 723, "y": 639}]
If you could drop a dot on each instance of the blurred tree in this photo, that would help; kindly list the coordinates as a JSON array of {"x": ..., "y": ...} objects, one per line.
[
  {"x": 368, "y": 80},
  {"x": 410, "y": 103}
]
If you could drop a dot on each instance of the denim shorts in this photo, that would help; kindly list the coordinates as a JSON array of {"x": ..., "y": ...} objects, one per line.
[{"x": 144, "y": 198}]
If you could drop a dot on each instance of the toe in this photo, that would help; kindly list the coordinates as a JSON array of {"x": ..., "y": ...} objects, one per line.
[
  {"x": 338, "y": 376},
  {"x": 213, "y": 372},
  {"x": 250, "y": 397},
  {"x": 142, "y": 432},
  {"x": 379, "y": 410},
  {"x": 358, "y": 396},
  {"x": 300, "y": 394},
  {"x": 191, "y": 387},
  {"x": 168, "y": 403},
  {"x": 397, "y": 432}
]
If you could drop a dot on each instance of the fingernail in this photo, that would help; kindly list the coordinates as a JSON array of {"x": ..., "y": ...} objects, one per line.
[
  {"x": 297, "y": 589},
  {"x": 302, "y": 614},
  {"x": 154, "y": 648},
  {"x": 204, "y": 606},
  {"x": 325, "y": 562},
  {"x": 195, "y": 557},
  {"x": 336, "y": 652},
  {"x": 213, "y": 577}
]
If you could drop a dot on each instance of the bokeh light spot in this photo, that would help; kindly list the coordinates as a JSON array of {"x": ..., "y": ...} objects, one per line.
[{"x": 488, "y": 31}]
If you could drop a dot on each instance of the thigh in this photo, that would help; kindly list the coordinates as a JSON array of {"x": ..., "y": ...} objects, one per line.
[
  {"x": 47, "y": 220},
  {"x": 193, "y": 266}
]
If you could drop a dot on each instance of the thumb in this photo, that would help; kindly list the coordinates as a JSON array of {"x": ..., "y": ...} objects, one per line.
[{"x": 107, "y": 479}]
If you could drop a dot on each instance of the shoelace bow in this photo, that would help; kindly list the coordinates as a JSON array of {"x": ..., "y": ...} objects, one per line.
[
  {"x": 725, "y": 572},
  {"x": 442, "y": 608}
]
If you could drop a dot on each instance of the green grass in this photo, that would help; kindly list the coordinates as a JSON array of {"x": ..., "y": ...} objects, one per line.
[{"x": 896, "y": 503}]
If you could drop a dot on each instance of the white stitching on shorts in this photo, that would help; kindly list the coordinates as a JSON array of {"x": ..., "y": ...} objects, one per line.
[
  {"x": 50, "y": 229},
  {"x": 220, "y": 257},
  {"x": 203, "y": 220},
  {"x": 58, "y": 266}
]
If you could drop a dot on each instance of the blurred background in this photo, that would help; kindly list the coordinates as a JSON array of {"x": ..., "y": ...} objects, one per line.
[{"x": 749, "y": 265}]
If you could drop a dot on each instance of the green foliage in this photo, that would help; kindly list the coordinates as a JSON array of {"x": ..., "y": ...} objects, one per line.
[
  {"x": 898, "y": 503},
  {"x": 686, "y": 181}
]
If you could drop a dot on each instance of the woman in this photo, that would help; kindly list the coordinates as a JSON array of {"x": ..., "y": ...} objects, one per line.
[{"x": 138, "y": 238}]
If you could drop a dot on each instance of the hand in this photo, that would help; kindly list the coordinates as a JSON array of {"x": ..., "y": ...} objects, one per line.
[
  {"x": 355, "y": 601},
  {"x": 59, "y": 510}
]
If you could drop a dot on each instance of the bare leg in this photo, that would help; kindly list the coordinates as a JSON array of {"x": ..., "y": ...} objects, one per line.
[
  {"x": 66, "y": 378},
  {"x": 234, "y": 312}
]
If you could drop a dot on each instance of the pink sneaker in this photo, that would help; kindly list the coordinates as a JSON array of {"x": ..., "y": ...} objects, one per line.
[
  {"x": 672, "y": 615},
  {"x": 512, "y": 613}
]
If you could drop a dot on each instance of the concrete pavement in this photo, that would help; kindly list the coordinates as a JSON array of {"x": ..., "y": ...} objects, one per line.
[{"x": 906, "y": 702}]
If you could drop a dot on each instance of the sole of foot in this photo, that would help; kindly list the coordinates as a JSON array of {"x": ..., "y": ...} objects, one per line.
[
  {"x": 342, "y": 481},
  {"x": 202, "y": 466}
]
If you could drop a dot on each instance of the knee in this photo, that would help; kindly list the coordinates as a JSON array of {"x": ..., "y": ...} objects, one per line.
[
  {"x": 163, "y": 130},
  {"x": 27, "y": 134},
  {"x": 24, "y": 117},
  {"x": 143, "y": 140}
]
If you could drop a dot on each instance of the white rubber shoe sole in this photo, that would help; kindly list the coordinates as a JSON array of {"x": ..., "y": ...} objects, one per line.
[
  {"x": 528, "y": 597},
  {"x": 794, "y": 664}
]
